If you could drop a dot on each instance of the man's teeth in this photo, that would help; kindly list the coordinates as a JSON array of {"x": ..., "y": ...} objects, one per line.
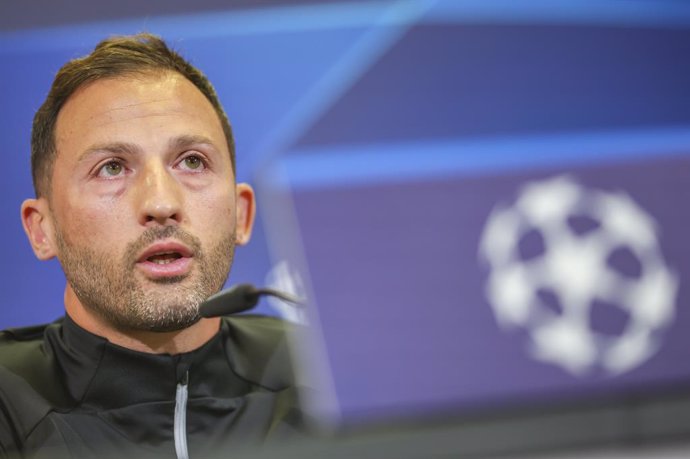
[
  {"x": 163, "y": 261},
  {"x": 164, "y": 258}
]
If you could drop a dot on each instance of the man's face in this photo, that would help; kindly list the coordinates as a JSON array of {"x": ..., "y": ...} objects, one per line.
[{"x": 143, "y": 200}]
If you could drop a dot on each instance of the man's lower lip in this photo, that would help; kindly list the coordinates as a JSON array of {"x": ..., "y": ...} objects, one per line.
[{"x": 178, "y": 267}]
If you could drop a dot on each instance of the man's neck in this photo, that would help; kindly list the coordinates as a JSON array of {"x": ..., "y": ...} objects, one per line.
[{"x": 176, "y": 342}]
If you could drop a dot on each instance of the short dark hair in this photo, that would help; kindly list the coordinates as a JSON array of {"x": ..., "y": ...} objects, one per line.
[{"x": 139, "y": 54}]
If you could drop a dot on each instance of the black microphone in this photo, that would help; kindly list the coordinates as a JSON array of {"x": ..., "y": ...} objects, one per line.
[{"x": 239, "y": 298}]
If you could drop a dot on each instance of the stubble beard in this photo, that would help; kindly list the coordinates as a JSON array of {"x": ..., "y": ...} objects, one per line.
[{"x": 116, "y": 292}]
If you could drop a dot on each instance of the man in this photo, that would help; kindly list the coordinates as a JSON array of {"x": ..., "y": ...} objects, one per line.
[{"x": 133, "y": 167}]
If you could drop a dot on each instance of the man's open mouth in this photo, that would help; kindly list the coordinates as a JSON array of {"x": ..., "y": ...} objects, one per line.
[{"x": 164, "y": 258}]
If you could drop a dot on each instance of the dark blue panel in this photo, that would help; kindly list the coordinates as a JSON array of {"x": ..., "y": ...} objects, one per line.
[{"x": 467, "y": 80}]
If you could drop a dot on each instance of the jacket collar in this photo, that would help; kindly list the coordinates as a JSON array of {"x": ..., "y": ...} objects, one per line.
[{"x": 100, "y": 375}]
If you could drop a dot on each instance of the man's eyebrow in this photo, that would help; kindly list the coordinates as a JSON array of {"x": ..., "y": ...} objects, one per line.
[
  {"x": 121, "y": 148},
  {"x": 116, "y": 148},
  {"x": 186, "y": 141}
]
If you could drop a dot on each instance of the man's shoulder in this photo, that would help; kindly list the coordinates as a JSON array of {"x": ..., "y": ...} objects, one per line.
[
  {"x": 259, "y": 348},
  {"x": 23, "y": 352},
  {"x": 27, "y": 381},
  {"x": 22, "y": 349},
  {"x": 22, "y": 334},
  {"x": 22, "y": 346}
]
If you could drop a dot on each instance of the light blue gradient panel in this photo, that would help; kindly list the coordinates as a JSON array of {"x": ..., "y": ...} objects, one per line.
[{"x": 378, "y": 164}]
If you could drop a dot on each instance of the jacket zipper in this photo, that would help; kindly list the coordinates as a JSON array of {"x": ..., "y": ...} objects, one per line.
[{"x": 180, "y": 427}]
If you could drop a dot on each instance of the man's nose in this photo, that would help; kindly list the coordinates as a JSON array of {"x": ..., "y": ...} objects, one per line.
[{"x": 159, "y": 196}]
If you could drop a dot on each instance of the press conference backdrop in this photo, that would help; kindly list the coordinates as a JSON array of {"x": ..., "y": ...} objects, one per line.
[{"x": 485, "y": 202}]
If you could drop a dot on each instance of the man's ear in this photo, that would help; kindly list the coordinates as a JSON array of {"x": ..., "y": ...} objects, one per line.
[
  {"x": 38, "y": 225},
  {"x": 246, "y": 207}
]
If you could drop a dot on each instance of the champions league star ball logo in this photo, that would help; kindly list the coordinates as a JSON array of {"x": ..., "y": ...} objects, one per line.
[{"x": 560, "y": 257}]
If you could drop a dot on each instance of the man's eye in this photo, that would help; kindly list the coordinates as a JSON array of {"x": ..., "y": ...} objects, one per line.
[
  {"x": 111, "y": 169},
  {"x": 193, "y": 162}
]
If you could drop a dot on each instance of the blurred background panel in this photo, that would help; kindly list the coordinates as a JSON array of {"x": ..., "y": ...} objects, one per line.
[{"x": 483, "y": 201}]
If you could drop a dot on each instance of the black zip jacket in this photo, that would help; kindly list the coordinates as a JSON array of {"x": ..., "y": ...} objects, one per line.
[{"x": 65, "y": 392}]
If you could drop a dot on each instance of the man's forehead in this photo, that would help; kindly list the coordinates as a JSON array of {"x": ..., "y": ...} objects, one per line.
[
  {"x": 127, "y": 100},
  {"x": 108, "y": 97}
]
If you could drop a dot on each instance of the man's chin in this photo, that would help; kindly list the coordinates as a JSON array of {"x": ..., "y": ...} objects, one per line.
[{"x": 161, "y": 310}]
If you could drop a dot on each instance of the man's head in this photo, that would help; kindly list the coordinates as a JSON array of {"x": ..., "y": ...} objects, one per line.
[{"x": 136, "y": 195}]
